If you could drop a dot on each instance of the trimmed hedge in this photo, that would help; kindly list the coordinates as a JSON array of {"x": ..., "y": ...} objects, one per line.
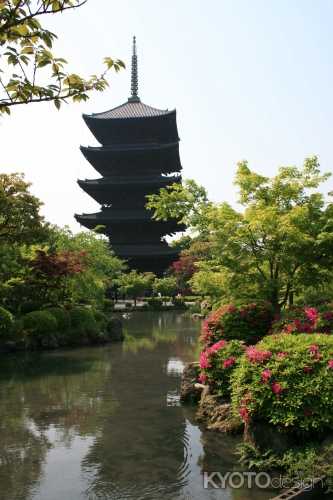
[
  {"x": 41, "y": 329},
  {"x": 287, "y": 381},
  {"x": 155, "y": 303},
  {"x": 249, "y": 323},
  {"x": 56, "y": 326}
]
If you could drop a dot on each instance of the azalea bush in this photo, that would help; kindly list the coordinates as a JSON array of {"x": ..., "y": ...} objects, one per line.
[
  {"x": 249, "y": 323},
  {"x": 217, "y": 364},
  {"x": 305, "y": 320},
  {"x": 287, "y": 381}
]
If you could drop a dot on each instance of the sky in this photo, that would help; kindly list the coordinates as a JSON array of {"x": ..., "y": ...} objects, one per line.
[{"x": 250, "y": 79}]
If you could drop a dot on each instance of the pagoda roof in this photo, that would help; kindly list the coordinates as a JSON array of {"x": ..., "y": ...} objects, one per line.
[
  {"x": 131, "y": 218},
  {"x": 130, "y": 109},
  {"x": 122, "y": 215},
  {"x": 142, "y": 250},
  {"x": 131, "y": 147},
  {"x": 132, "y": 180}
]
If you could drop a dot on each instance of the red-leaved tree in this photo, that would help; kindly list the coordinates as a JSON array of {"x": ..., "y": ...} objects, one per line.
[
  {"x": 51, "y": 272},
  {"x": 183, "y": 270}
]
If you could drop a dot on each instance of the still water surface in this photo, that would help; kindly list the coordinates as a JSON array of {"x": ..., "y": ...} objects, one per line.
[{"x": 105, "y": 423}]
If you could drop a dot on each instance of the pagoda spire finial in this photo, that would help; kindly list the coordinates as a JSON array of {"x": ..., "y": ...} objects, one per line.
[{"x": 134, "y": 75}]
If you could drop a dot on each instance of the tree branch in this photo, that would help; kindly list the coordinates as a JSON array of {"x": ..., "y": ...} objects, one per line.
[
  {"x": 5, "y": 89},
  {"x": 8, "y": 25},
  {"x": 252, "y": 242}
]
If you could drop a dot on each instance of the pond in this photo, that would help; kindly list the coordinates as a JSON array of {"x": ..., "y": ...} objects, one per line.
[{"x": 106, "y": 422}]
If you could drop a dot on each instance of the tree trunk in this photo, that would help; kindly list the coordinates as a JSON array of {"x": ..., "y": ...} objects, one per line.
[
  {"x": 275, "y": 301},
  {"x": 291, "y": 299}
]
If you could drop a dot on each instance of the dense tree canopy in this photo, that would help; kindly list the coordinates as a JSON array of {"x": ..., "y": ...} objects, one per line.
[
  {"x": 135, "y": 284},
  {"x": 29, "y": 71},
  {"x": 186, "y": 202},
  {"x": 20, "y": 219},
  {"x": 166, "y": 286},
  {"x": 46, "y": 264},
  {"x": 279, "y": 244},
  {"x": 87, "y": 250}
]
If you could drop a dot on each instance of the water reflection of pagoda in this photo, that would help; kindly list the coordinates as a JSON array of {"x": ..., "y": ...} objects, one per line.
[{"x": 139, "y": 154}]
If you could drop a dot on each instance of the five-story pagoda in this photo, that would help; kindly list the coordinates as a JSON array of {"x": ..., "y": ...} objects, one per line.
[{"x": 139, "y": 154}]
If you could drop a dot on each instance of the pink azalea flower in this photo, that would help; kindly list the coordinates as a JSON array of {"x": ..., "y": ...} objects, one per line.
[
  {"x": 206, "y": 332},
  {"x": 330, "y": 364},
  {"x": 266, "y": 375},
  {"x": 217, "y": 346},
  {"x": 311, "y": 313},
  {"x": 244, "y": 414},
  {"x": 282, "y": 355},
  {"x": 314, "y": 349},
  {"x": 202, "y": 378},
  {"x": 277, "y": 388},
  {"x": 255, "y": 355},
  {"x": 289, "y": 328},
  {"x": 204, "y": 360},
  {"x": 229, "y": 362}
]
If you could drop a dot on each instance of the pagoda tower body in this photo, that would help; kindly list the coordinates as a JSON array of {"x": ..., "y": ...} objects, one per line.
[{"x": 138, "y": 155}]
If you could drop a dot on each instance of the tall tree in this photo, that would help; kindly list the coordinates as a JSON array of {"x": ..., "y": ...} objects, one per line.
[
  {"x": 135, "y": 284},
  {"x": 278, "y": 245},
  {"x": 20, "y": 219},
  {"x": 27, "y": 60}
]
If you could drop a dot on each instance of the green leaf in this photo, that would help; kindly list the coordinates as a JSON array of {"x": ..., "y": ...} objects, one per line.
[{"x": 27, "y": 50}]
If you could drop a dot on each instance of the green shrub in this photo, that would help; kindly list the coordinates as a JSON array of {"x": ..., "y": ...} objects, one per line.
[
  {"x": 192, "y": 298},
  {"x": 6, "y": 322},
  {"x": 30, "y": 306},
  {"x": 287, "y": 381},
  {"x": 155, "y": 303},
  {"x": 298, "y": 463},
  {"x": 217, "y": 364},
  {"x": 83, "y": 324},
  {"x": 195, "y": 308},
  {"x": 62, "y": 316},
  {"x": 41, "y": 328},
  {"x": 17, "y": 330},
  {"x": 166, "y": 286},
  {"x": 249, "y": 323},
  {"x": 108, "y": 305},
  {"x": 101, "y": 320}
]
